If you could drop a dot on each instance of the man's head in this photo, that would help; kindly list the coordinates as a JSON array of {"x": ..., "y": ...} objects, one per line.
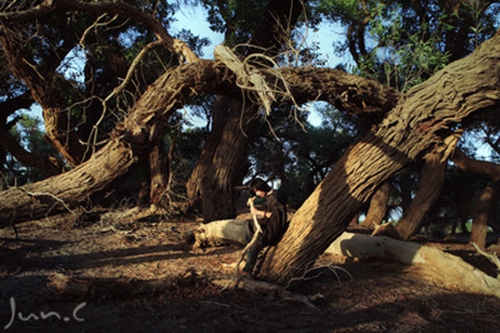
[{"x": 258, "y": 187}]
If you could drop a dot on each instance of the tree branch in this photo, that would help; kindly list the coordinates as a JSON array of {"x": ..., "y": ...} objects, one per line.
[{"x": 112, "y": 7}]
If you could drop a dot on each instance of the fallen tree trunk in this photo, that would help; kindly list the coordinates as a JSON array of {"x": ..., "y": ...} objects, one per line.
[{"x": 449, "y": 271}]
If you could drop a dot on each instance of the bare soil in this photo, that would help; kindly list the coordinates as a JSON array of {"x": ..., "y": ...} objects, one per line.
[{"x": 110, "y": 275}]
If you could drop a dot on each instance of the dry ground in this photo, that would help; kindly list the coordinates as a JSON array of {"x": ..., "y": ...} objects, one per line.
[{"x": 139, "y": 276}]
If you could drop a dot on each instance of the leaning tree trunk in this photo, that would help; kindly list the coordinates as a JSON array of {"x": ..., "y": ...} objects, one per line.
[
  {"x": 408, "y": 132},
  {"x": 431, "y": 184},
  {"x": 133, "y": 139},
  {"x": 131, "y": 142},
  {"x": 378, "y": 206},
  {"x": 45, "y": 91}
]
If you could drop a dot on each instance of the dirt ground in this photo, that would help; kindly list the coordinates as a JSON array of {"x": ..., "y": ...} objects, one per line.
[{"x": 111, "y": 275}]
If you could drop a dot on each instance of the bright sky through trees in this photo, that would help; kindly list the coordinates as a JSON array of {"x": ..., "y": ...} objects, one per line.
[{"x": 193, "y": 18}]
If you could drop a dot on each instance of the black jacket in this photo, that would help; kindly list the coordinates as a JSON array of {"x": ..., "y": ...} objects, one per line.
[{"x": 275, "y": 226}]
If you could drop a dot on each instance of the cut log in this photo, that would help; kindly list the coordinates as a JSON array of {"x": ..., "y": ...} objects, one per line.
[
  {"x": 446, "y": 270},
  {"x": 221, "y": 232}
]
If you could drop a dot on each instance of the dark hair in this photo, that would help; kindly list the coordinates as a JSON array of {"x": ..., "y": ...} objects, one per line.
[{"x": 259, "y": 185}]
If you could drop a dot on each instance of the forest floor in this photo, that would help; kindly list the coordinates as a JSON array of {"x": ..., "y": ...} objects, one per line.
[{"x": 140, "y": 276}]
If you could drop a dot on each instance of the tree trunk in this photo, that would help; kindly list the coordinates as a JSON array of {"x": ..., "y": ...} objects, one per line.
[
  {"x": 46, "y": 165},
  {"x": 431, "y": 184},
  {"x": 131, "y": 142},
  {"x": 442, "y": 268},
  {"x": 378, "y": 206},
  {"x": 484, "y": 205},
  {"x": 228, "y": 166},
  {"x": 159, "y": 171},
  {"x": 486, "y": 202},
  {"x": 133, "y": 139},
  {"x": 221, "y": 111},
  {"x": 64, "y": 140},
  {"x": 409, "y": 132},
  {"x": 45, "y": 91}
]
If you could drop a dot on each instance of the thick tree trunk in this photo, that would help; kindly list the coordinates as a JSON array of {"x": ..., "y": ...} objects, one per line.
[
  {"x": 228, "y": 166},
  {"x": 431, "y": 184},
  {"x": 221, "y": 111},
  {"x": 410, "y": 130},
  {"x": 133, "y": 139},
  {"x": 483, "y": 208},
  {"x": 132, "y": 142},
  {"x": 378, "y": 206}
]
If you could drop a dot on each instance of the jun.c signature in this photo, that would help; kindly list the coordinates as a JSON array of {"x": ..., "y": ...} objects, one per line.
[{"x": 42, "y": 315}]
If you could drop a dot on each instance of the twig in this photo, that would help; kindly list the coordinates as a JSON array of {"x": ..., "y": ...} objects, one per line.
[
  {"x": 258, "y": 231},
  {"x": 491, "y": 257}
]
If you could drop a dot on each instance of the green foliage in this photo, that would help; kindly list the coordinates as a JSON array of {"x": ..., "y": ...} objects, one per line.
[
  {"x": 299, "y": 155},
  {"x": 395, "y": 43},
  {"x": 235, "y": 19}
]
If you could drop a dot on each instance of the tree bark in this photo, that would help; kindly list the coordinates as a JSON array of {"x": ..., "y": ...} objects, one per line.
[
  {"x": 221, "y": 166},
  {"x": 221, "y": 111},
  {"x": 431, "y": 184},
  {"x": 409, "y": 132},
  {"x": 131, "y": 142},
  {"x": 378, "y": 206},
  {"x": 225, "y": 171},
  {"x": 133, "y": 139}
]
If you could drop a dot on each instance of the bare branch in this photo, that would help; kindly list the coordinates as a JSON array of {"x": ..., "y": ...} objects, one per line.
[{"x": 112, "y": 7}]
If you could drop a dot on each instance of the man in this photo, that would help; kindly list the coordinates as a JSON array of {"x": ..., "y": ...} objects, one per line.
[{"x": 272, "y": 219}]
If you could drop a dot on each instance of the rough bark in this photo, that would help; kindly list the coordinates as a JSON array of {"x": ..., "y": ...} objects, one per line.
[
  {"x": 221, "y": 112},
  {"x": 431, "y": 184},
  {"x": 409, "y": 132},
  {"x": 132, "y": 142},
  {"x": 221, "y": 166},
  {"x": 443, "y": 268},
  {"x": 225, "y": 171},
  {"x": 378, "y": 206},
  {"x": 133, "y": 139}
]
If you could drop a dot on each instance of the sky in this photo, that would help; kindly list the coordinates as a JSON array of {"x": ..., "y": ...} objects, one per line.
[{"x": 193, "y": 18}]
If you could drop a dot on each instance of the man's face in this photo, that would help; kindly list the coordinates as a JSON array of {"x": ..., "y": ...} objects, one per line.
[{"x": 260, "y": 193}]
